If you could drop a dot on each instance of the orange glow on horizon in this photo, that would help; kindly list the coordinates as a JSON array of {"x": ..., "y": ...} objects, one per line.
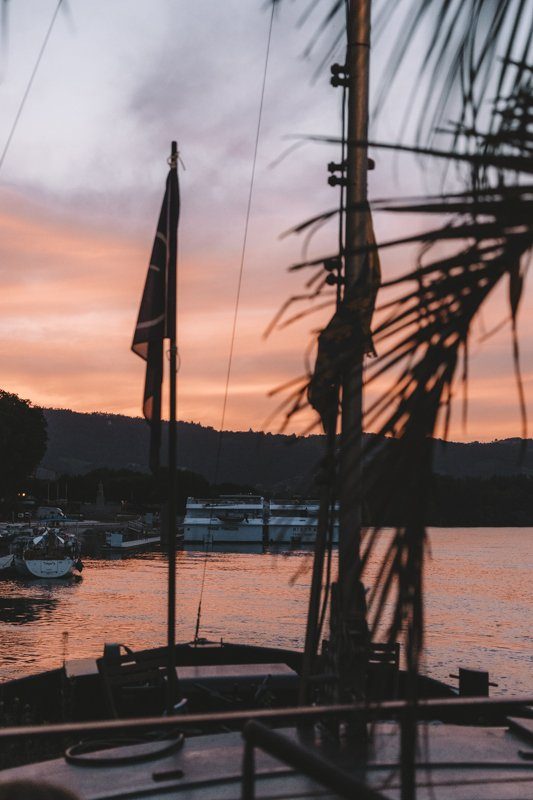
[{"x": 70, "y": 299}]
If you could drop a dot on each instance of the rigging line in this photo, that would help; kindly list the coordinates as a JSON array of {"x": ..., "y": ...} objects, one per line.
[
  {"x": 237, "y": 299},
  {"x": 246, "y": 225},
  {"x": 30, "y": 82},
  {"x": 4, "y": 37}
]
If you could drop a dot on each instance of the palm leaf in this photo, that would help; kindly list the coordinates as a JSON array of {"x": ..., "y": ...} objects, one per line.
[
  {"x": 474, "y": 49},
  {"x": 422, "y": 334}
]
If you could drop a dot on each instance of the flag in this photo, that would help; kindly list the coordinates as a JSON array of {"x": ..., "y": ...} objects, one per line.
[{"x": 157, "y": 314}]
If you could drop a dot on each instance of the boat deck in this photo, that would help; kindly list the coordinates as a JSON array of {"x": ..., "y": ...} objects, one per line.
[{"x": 455, "y": 762}]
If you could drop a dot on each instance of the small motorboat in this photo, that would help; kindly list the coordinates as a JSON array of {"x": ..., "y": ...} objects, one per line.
[
  {"x": 8, "y": 535},
  {"x": 134, "y": 537}
]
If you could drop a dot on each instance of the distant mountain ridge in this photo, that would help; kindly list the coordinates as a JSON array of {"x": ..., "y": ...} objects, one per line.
[{"x": 79, "y": 443}]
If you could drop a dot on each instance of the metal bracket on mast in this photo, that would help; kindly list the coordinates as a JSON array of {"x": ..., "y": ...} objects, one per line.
[
  {"x": 333, "y": 167},
  {"x": 333, "y": 267},
  {"x": 174, "y": 352},
  {"x": 333, "y": 179},
  {"x": 174, "y": 158},
  {"x": 340, "y": 75}
]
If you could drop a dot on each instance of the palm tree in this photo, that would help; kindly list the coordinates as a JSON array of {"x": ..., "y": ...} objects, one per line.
[{"x": 425, "y": 317}]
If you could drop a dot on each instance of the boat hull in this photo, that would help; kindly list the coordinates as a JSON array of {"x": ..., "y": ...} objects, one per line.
[
  {"x": 44, "y": 568},
  {"x": 6, "y": 561},
  {"x": 262, "y": 522},
  {"x": 295, "y": 531},
  {"x": 117, "y": 543},
  {"x": 243, "y": 533}
]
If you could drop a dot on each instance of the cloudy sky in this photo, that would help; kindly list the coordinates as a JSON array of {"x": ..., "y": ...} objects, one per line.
[{"x": 83, "y": 178}]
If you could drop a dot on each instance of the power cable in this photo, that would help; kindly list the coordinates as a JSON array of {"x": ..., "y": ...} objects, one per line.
[
  {"x": 237, "y": 300},
  {"x": 29, "y": 85}
]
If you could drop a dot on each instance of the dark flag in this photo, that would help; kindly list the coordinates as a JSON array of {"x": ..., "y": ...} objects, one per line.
[{"x": 157, "y": 314}]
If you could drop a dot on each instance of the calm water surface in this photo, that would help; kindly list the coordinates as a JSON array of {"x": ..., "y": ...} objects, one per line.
[{"x": 478, "y": 605}]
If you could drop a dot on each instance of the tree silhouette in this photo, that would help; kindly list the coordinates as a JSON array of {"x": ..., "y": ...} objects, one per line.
[{"x": 22, "y": 442}]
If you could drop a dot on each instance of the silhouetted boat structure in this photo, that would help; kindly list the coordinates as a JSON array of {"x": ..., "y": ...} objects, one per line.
[
  {"x": 249, "y": 721},
  {"x": 286, "y": 752}
]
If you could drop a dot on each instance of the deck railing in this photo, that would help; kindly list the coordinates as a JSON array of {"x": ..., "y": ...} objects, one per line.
[
  {"x": 300, "y": 758},
  {"x": 423, "y": 710},
  {"x": 257, "y": 735}
]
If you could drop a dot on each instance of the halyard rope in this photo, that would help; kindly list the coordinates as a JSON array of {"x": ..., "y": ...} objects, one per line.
[
  {"x": 29, "y": 85},
  {"x": 236, "y": 308}
]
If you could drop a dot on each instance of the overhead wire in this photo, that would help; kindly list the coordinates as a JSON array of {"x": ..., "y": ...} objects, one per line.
[
  {"x": 29, "y": 84},
  {"x": 236, "y": 305}
]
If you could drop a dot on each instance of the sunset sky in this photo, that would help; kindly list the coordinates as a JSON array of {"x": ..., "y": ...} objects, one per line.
[{"x": 83, "y": 179}]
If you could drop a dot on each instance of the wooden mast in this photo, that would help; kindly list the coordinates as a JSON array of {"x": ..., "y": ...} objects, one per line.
[
  {"x": 171, "y": 503},
  {"x": 350, "y": 612},
  {"x": 348, "y": 634}
]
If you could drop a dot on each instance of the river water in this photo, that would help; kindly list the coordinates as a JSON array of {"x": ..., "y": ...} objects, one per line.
[{"x": 478, "y": 605}]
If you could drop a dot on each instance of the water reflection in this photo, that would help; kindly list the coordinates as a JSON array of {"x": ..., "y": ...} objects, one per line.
[
  {"x": 113, "y": 555},
  {"x": 476, "y": 603},
  {"x": 21, "y": 610},
  {"x": 245, "y": 547},
  {"x": 280, "y": 548},
  {"x": 27, "y": 600}
]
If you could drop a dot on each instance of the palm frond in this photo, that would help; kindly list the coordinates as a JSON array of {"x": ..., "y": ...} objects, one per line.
[
  {"x": 422, "y": 334},
  {"x": 467, "y": 51}
]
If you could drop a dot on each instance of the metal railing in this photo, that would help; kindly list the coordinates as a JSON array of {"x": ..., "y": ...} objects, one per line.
[
  {"x": 423, "y": 710},
  {"x": 301, "y": 758},
  {"x": 298, "y": 757}
]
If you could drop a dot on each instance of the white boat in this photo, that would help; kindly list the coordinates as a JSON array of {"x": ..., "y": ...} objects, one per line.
[
  {"x": 245, "y": 519},
  {"x": 6, "y": 557},
  {"x": 6, "y": 561},
  {"x": 135, "y": 537},
  {"x": 48, "y": 514},
  {"x": 224, "y": 520},
  {"x": 9, "y": 533},
  {"x": 295, "y": 523},
  {"x": 47, "y": 555}
]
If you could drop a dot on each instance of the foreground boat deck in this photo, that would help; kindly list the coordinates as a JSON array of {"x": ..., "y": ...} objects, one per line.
[{"x": 455, "y": 762}]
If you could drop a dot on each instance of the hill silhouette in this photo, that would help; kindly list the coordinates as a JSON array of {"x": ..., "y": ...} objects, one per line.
[{"x": 79, "y": 443}]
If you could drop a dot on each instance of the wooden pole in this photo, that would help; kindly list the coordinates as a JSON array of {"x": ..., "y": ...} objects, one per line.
[
  {"x": 313, "y": 611},
  {"x": 173, "y": 210},
  {"x": 350, "y": 601}
]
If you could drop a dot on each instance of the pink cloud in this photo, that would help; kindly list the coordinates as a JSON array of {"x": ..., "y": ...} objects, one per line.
[{"x": 71, "y": 288}]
